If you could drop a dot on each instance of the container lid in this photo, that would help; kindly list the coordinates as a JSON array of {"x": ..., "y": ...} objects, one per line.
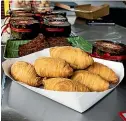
[
  {"x": 110, "y": 47},
  {"x": 52, "y": 18},
  {"x": 58, "y": 12},
  {"x": 48, "y": 16},
  {"x": 109, "y": 50},
  {"x": 59, "y": 19},
  {"x": 43, "y": 9},
  {"x": 21, "y": 18},
  {"x": 57, "y": 23},
  {"x": 20, "y": 11},
  {"x": 23, "y": 14},
  {"x": 24, "y": 22},
  {"x": 15, "y": 9}
]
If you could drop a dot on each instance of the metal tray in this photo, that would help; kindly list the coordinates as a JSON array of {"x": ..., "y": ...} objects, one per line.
[{"x": 21, "y": 104}]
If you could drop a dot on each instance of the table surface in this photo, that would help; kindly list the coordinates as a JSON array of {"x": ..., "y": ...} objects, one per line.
[{"x": 21, "y": 104}]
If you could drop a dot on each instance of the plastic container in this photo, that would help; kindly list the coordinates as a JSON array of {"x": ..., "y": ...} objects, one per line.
[
  {"x": 21, "y": 18},
  {"x": 56, "y": 26},
  {"x": 24, "y": 29},
  {"x": 21, "y": 13},
  {"x": 51, "y": 15},
  {"x": 109, "y": 50},
  {"x": 40, "y": 12},
  {"x": 59, "y": 13}
]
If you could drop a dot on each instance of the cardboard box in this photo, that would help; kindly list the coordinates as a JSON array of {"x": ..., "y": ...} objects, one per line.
[
  {"x": 91, "y": 12},
  {"x": 87, "y": 11},
  {"x": 79, "y": 101}
]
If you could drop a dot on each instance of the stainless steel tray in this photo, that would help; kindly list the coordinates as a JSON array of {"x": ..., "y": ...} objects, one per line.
[{"x": 21, "y": 104}]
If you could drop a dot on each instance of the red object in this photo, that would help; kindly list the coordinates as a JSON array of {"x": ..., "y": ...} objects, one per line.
[
  {"x": 107, "y": 56},
  {"x": 121, "y": 114},
  {"x": 38, "y": 14},
  {"x": 20, "y": 30},
  {"x": 5, "y": 28},
  {"x": 55, "y": 29},
  {"x": 42, "y": 22}
]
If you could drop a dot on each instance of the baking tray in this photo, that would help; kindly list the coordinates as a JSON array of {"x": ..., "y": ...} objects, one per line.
[{"x": 11, "y": 48}]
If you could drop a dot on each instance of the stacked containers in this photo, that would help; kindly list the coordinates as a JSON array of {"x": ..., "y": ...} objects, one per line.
[
  {"x": 26, "y": 24},
  {"x": 56, "y": 26},
  {"x": 24, "y": 29}
]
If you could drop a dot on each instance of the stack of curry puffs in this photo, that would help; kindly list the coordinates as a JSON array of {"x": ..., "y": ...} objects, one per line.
[{"x": 68, "y": 69}]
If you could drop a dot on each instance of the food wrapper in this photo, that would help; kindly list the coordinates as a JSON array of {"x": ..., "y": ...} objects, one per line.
[{"x": 79, "y": 101}]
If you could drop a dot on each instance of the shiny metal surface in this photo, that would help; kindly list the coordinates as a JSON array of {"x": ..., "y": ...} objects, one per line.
[
  {"x": 92, "y": 32},
  {"x": 21, "y": 104}
]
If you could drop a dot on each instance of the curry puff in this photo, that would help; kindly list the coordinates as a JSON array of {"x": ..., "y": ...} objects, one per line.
[
  {"x": 77, "y": 58},
  {"x": 52, "y": 67},
  {"x": 92, "y": 81},
  {"x": 64, "y": 84},
  {"x": 25, "y": 72},
  {"x": 103, "y": 71}
]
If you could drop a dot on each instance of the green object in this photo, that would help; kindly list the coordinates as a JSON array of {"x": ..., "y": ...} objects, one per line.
[
  {"x": 81, "y": 43},
  {"x": 11, "y": 50}
]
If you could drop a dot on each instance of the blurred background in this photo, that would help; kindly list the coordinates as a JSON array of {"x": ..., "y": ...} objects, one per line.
[{"x": 117, "y": 8}]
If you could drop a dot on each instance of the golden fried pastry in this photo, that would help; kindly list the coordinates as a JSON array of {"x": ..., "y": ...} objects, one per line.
[
  {"x": 25, "y": 72},
  {"x": 64, "y": 84},
  {"x": 90, "y": 80},
  {"x": 52, "y": 67},
  {"x": 105, "y": 72},
  {"x": 77, "y": 58}
]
